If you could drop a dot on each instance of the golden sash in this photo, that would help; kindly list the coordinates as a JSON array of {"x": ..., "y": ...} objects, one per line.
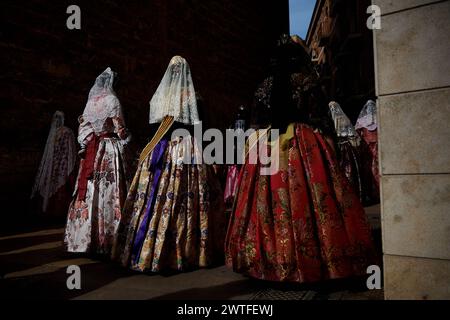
[{"x": 164, "y": 127}]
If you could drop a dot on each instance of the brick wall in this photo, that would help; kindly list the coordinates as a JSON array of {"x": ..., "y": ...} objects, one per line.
[{"x": 46, "y": 67}]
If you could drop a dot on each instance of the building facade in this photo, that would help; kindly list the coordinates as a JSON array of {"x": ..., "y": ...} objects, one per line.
[{"x": 342, "y": 47}]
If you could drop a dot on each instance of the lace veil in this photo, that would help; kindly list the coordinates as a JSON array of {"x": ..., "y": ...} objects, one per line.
[
  {"x": 368, "y": 117},
  {"x": 58, "y": 160},
  {"x": 102, "y": 102},
  {"x": 342, "y": 123},
  {"x": 175, "y": 95}
]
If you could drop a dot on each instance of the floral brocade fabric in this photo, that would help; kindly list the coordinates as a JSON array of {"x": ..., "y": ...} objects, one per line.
[
  {"x": 304, "y": 223},
  {"x": 350, "y": 163},
  {"x": 369, "y": 155},
  {"x": 173, "y": 217},
  {"x": 92, "y": 221}
]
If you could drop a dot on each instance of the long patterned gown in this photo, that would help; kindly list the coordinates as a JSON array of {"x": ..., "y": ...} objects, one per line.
[
  {"x": 303, "y": 224},
  {"x": 173, "y": 216},
  {"x": 367, "y": 128},
  {"x": 93, "y": 217},
  {"x": 94, "y": 213},
  {"x": 55, "y": 178}
]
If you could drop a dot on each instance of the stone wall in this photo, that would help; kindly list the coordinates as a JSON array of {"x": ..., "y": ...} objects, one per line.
[
  {"x": 48, "y": 67},
  {"x": 413, "y": 85}
]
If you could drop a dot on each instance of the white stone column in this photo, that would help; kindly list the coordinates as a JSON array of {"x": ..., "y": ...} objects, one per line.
[{"x": 412, "y": 62}]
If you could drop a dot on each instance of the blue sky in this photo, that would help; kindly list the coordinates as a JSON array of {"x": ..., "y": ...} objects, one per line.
[{"x": 300, "y": 12}]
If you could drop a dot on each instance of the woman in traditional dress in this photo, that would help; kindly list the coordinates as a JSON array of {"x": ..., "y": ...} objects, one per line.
[
  {"x": 348, "y": 143},
  {"x": 304, "y": 223},
  {"x": 233, "y": 169},
  {"x": 367, "y": 128},
  {"x": 94, "y": 213},
  {"x": 173, "y": 215},
  {"x": 54, "y": 180}
]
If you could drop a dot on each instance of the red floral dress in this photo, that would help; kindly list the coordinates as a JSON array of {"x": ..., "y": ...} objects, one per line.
[
  {"x": 302, "y": 224},
  {"x": 370, "y": 171}
]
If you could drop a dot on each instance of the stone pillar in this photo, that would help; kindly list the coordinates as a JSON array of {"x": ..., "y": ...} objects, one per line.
[{"x": 412, "y": 62}]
